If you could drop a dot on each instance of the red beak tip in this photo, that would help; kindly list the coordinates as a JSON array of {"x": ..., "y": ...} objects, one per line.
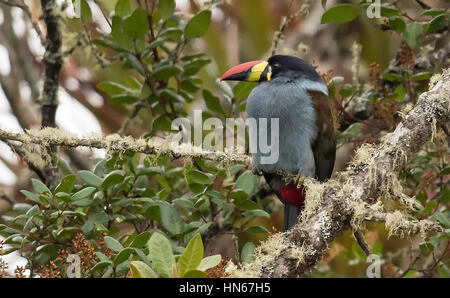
[{"x": 239, "y": 68}]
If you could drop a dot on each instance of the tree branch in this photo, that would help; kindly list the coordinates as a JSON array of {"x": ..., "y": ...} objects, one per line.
[
  {"x": 115, "y": 143},
  {"x": 52, "y": 62},
  {"x": 26, "y": 10}
]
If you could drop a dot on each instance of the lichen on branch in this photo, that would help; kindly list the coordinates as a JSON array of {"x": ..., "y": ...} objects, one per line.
[{"x": 116, "y": 143}]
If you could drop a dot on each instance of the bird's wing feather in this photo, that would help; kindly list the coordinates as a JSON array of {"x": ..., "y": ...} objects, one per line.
[{"x": 324, "y": 147}]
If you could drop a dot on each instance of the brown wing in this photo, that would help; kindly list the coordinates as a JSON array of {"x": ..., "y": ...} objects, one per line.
[{"x": 324, "y": 147}]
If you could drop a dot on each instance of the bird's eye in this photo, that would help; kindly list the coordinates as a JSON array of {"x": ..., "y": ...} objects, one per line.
[{"x": 276, "y": 65}]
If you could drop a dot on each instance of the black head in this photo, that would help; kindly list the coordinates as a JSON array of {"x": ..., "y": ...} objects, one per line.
[{"x": 292, "y": 67}]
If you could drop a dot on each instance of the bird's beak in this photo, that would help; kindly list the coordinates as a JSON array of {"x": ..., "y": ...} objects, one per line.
[{"x": 254, "y": 71}]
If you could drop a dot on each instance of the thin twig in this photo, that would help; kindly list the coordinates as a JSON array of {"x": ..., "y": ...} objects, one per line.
[
  {"x": 303, "y": 11},
  {"x": 362, "y": 242},
  {"x": 27, "y": 11}
]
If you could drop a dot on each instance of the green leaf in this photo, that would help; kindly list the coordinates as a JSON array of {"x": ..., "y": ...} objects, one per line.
[
  {"x": 90, "y": 178},
  {"x": 397, "y": 23},
  {"x": 171, "y": 219},
  {"x": 246, "y": 182},
  {"x": 142, "y": 256},
  {"x": 195, "y": 176},
  {"x": 162, "y": 123},
  {"x": 123, "y": 8},
  {"x": 445, "y": 195},
  {"x": 209, "y": 262},
  {"x": 192, "y": 255},
  {"x": 113, "y": 178},
  {"x": 141, "y": 270},
  {"x": 100, "y": 265},
  {"x": 160, "y": 253},
  {"x": 212, "y": 102},
  {"x": 136, "y": 25},
  {"x": 444, "y": 271},
  {"x": 171, "y": 95},
  {"x": 85, "y": 192},
  {"x": 198, "y": 25},
  {"x": 445, "y": 171},
  {"x": 441, "y": 218},
  {"x": 85, "y": 10},
  {"x": 429, "y": 207},
  {"x": 248, "y": 253},
  {"x": 112, "y": 88},
  {"x": 39, "y": 187},
  {"x": 66, "y": 185},
  {"x": 347, "y": 90},
  {"x": 123, "y": 99},
  {"x": 194, "y": 67},
  {"x": 245, "y": 204},
  {"x": 124, "y": 42},
  {"x": 426, "y": 246},
  {"x": 104, "y": 42},
  {"x": 140, "y": 240},
  {"x": 410, "y": 273},
  {"x": 31, "y": 196},
  {"x": 238, "y": 194},
  {"x": 392, "y": 77},
  {"x": 438, "y": 23},
  {"x": 68, "y": 233},
  {"x": 166, "y": 8},
  {"x": 342, "y": 13},
  {"x": 412, "y": 34},
  {"x": 195, "y": 274},
  {"x": 422, "y": 76},
  {"x": 433, "y": 12},
  {"x": 164, "y": 72},
  {"x": 388, "y": 11},
  {"x": 113, "y": 244},
  {"x": 33, "y": 211},
  {"x": 134, "y": 62},
  {"x": 123, "y": 255},
  {"x": 399, "y": 93},
  {"x": 83, "y": 202},
  {"x": 255, "y": 212},
  {"x": 21, "y": 208},
  {"x": 185, "y": 203},
  {"x": 242, "y": 89},
  {"x": 172, "y": 34}
]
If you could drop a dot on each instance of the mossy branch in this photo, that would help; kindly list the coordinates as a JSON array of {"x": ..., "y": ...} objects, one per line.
[
  {"x": 115, "y": 143},
  {"x": 53, "y": 61}
]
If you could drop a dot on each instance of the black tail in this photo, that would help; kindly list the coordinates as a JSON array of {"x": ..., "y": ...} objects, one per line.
[{"x": 291, "y": 214}]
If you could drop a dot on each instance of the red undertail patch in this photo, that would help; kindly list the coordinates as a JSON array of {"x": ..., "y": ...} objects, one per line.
[{"x": 292, "y": 195}]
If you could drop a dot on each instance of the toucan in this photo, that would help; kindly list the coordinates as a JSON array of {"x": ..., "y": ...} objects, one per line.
[{"x": 291, "y": 90}]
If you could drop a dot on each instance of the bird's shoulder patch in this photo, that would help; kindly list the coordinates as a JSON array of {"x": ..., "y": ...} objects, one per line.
[
  {"x": 324, "y": 147},
  {"x": 324, "y": 120}
]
